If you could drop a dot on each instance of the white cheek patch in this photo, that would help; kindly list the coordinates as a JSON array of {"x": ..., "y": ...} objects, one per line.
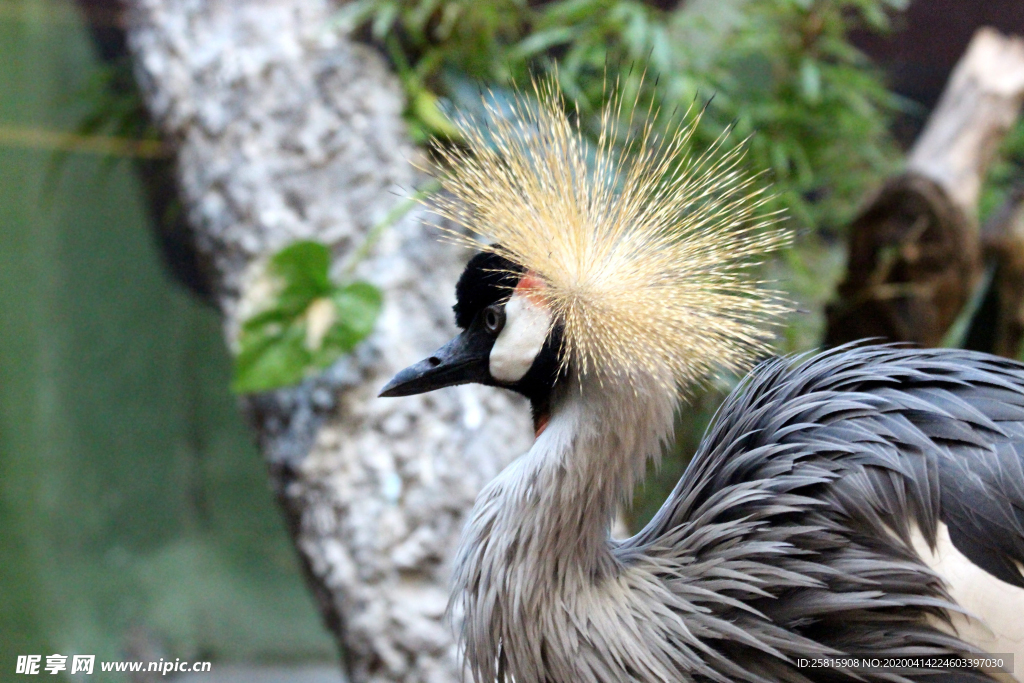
[{"x": 526, "y": 327}]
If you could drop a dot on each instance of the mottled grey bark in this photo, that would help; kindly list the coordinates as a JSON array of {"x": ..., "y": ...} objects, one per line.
[{"x": 286, "y": 130}]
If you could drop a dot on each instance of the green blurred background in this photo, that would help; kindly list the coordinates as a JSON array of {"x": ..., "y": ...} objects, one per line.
[{"x": 134, "y": 508}]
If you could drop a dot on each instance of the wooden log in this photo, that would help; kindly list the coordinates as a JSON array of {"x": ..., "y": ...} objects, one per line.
[
  {"x": 913, "y": 259},
  {"x": 914, "y": 250},
  {"x": 978, "y": 107}
]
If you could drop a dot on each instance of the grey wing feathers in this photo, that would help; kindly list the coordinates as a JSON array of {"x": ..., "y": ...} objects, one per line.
[{"x": 795, "y": 515}]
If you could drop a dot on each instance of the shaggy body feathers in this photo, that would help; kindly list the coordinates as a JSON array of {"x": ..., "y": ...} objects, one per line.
[{"x": 789, "y": 535}]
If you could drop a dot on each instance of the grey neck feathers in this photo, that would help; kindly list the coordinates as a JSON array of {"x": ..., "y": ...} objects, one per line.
[{"x": 538, "y": 542}]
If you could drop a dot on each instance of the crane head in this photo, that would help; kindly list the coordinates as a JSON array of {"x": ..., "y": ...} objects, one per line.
[
  {"x": 508, "y": 338},
  {"x": 621, "y": 259}
]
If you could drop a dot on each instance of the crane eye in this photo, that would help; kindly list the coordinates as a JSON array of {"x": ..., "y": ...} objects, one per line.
[{"x": 494, "y": 319}]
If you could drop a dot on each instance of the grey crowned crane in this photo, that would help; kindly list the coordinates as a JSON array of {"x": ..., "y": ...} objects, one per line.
[{"x": 847, "y": 516}]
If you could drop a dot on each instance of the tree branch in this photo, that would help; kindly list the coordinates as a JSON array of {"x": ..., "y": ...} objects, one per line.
[
  {"x": 285, "y": 130},
  {"x": 914, "y": 253}
]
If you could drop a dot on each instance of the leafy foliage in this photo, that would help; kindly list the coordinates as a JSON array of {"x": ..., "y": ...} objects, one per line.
[
  {"x": 114, "y": 104},
  {"x": 113, "y": 112},
  {"x": 309, "y": 323},
  {"x": 780, "y": 71},
  {"x": 1006, "y": 173}
]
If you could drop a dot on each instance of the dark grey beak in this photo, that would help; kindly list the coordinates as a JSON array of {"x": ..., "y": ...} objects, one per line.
[{"x": 463, "y": 360}]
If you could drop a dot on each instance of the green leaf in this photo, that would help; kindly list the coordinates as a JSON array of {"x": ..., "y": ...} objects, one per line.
[
  {"x": 264, "y": 319},
  {"x": 541, "y": 41},
  {"x": 310, "y": 323},
  {"x": 419, "y": 17},
  {"x": 355, "y": 308},
  {"x": 425, "y": 107},
  {"x": 384, "y": 19},
  {"x": 810, "y": 81},
  {"x": 661, "y": 52},
  {"x": 353, "y": 14},
  {"x": 268, "y": 361},
  {"x": 358, "y": 306},
  {"x": 302, "y": 270},
  {"x": 572, "y": 11}
]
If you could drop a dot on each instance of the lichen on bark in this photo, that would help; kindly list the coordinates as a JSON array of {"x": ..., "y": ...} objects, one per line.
[{"x": 286, "y": 130}]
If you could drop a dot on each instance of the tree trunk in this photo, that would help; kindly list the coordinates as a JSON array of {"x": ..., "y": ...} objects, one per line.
[
  {"x": 285, "y": 130},
  {"x": 914, "y": 250}
]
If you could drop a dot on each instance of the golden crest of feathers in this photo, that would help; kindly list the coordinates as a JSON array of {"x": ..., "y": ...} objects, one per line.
[{"x": 641, "y": 245}]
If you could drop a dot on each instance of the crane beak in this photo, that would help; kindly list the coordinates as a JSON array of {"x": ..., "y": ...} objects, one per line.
[{"x": 463, "y": 360}]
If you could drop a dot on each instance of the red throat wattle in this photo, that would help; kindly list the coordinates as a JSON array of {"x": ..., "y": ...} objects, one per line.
[{"x": 540, "y": 423}]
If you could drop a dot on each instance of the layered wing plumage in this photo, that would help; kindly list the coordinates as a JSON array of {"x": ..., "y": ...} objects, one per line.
[{"x": 795, "y": 519}]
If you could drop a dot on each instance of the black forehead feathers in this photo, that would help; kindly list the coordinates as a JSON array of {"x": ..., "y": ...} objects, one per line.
[{"x": 488, "y": 278}]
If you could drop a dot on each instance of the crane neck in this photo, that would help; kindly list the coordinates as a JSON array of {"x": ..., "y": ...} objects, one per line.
[
  {"x": 593, "y": 451},
  {"x": 551, "y": 510},
  {"x": 539, "y": 535}
]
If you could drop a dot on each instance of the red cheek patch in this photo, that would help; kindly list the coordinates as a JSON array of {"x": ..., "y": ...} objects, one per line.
[{"x": 531, "y": 287}]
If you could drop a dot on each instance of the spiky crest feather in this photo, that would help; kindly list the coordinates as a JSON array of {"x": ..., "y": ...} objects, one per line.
[{"x": 640, "y": 244}]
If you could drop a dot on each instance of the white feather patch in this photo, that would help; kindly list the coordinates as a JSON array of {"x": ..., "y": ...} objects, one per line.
[
  {"x": 526, "y": 327},
  {"x": 998, "y": 606}
]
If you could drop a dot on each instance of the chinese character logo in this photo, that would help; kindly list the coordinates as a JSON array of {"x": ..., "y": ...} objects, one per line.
[
  {"x": 82, "y": 664},
  {"x": 28, "y": 664}
]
